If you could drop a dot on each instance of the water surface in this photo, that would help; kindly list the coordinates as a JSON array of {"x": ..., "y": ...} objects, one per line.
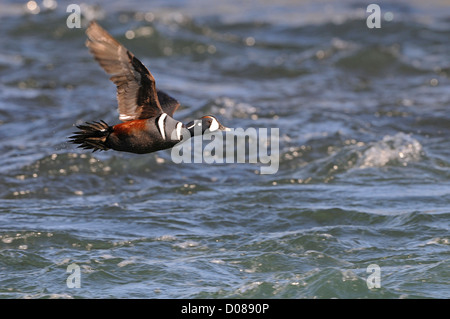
[{"x": 364, "y": 171}]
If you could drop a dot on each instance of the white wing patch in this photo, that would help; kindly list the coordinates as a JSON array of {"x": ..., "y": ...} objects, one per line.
[{"x": 124, "y": 117}]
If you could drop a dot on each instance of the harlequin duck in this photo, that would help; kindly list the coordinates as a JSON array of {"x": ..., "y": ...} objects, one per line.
[{"x": 146, "y": 112}]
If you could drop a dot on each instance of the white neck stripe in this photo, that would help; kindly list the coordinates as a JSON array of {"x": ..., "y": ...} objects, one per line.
[
  {"x": 161, "y": 124},
  {"x": 179, "y": 130}
]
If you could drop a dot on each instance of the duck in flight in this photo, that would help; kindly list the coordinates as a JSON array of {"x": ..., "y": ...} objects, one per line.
[{"x": 146, "y": 112}]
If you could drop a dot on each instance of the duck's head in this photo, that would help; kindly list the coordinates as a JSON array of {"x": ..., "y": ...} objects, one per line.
[{"x": 204, "y": 125}]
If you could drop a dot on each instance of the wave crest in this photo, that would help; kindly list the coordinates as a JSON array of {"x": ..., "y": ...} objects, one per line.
[{"x": 398, "y": 149}]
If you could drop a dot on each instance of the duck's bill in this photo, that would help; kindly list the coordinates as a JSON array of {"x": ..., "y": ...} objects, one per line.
[{"x": 223, "y": 128}]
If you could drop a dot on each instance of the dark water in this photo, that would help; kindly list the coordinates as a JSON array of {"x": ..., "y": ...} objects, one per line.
[{"x": 364, "y": 170}]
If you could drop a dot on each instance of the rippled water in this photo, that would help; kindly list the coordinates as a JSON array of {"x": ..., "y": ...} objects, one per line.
[{"x": 364, "y": 171}]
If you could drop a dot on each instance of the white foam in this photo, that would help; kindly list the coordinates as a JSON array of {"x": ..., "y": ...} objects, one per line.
[
  {"x": 401, "y": 148},
  {"x": 126, "y": 262},
  {"x": 187, "y": 244}
]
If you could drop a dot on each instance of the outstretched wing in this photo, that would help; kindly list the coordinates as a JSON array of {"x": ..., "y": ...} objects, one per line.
[
  {"x": 136, "y": 91},
  {"x": 168, "y": 103}
]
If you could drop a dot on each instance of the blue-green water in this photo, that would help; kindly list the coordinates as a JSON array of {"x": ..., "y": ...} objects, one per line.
[{"x": 364, "y": 171}]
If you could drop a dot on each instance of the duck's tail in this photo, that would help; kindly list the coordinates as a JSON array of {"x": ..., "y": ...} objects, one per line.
[{"x": 92, "y": 136}]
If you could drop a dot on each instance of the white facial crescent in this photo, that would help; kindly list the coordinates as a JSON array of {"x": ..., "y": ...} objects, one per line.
[{"x": 214, "y": 125}]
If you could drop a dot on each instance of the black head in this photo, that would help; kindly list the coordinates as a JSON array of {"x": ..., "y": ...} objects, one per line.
[{"x": 206, "y": 124}]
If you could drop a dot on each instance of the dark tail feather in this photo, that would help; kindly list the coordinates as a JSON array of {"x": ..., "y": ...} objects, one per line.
[{"x": 92, "y": 136}]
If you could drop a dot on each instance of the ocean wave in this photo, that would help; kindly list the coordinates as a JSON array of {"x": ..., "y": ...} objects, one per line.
[
  {"x": 315, "y": 164},
  {"x": 399, "y": 149}
]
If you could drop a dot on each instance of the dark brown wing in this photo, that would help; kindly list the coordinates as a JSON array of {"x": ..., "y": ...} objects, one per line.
[
  {"x": 136, "y": 91},
  {"x": 168, "y": 103}
]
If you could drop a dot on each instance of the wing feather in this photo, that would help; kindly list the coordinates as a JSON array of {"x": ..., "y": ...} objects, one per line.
[
  {"x": 136, "y": 90},
  {"x": 168, "y": 103}
]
